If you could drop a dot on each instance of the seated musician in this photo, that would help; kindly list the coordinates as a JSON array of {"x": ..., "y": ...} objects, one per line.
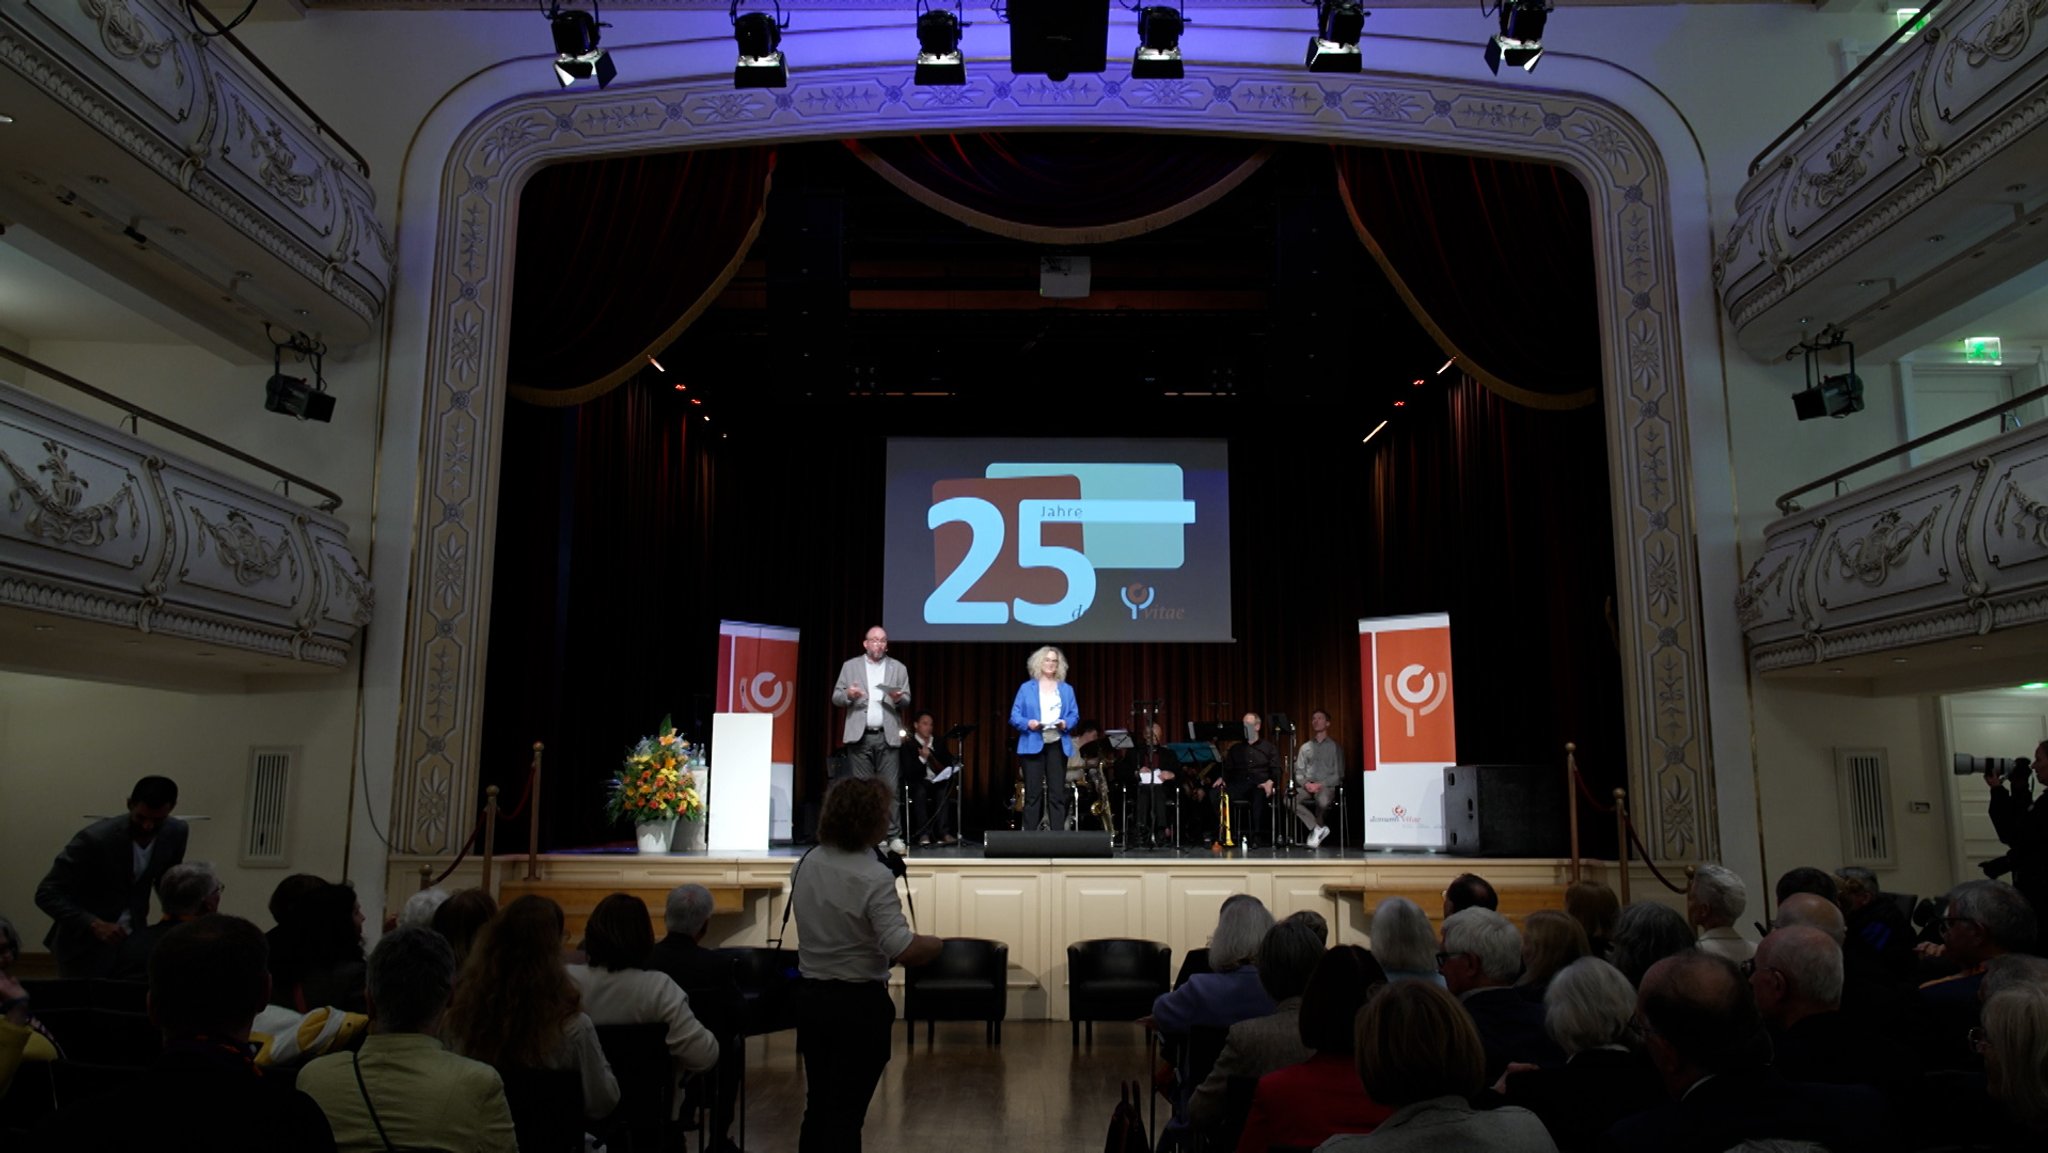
[
  {"x": 1249, "y": 775},
  {"x": 1087, "y": 765},
  {"x": 1148, "y": 772},
  {"x": 931, "y": 802}
]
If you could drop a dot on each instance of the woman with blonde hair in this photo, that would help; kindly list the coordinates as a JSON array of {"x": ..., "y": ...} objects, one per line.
[
  {"x": 2014, "y": 1041},
  {"x": 1045, "y": 705},
  {"x": 516, "y": 1008},
  {"x": 1550, "y": 941}
]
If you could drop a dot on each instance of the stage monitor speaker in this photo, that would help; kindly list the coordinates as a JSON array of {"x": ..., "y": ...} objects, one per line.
[
  {"x": 1504, "y": 811},
  {"x": 1045, "y": 843}
]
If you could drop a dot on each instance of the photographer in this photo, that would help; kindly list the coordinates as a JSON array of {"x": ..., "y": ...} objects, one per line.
[{"x": 2021, "y": 820}]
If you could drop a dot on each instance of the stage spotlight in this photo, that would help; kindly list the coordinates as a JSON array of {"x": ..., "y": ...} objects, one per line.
[
  {"x": 940, "y": 62},
  {"x": 761, "y": 64},
  {"x": 292, "y": 396},
  {"x": 1520, "y": 39},
  {"x": 1159, "y": 29},
  {"x": 1334, "y": 47},
  {"x": 577, "y": 56},
  {"x": 1835, "y": 396}
]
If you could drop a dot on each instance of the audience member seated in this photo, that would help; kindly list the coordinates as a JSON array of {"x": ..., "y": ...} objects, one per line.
[
  {"x": 1595, "y": 907},
  {"x": 284, "y": 901},
  {"x": 2014, "y": 1041},
  {"x": 620, "y": 989},
  {"x": 1550, "y": 941},
  {"x": 1256, "y": 1047},
  {"x": 1709, "y": 1047},
  {"x": 516, "y": 1008},
  {"x": 1983, "y": 920},
  {"x": 1813, "y": 912},
  {"x": 403, "y": 1090},
  {"x": 460, "y": 918},
  {"x": 1645, "y": 934},
  {"x": 1469, "y": 891},
  {"x": 322, "y": 945},
  {"x": 1418, "y": 1053},
  {"x": 207, "y": 979},
  {"x": 1303, "y": 1105},
  {"x": 1713, "y": 902},
  {"x": 706, "y": 977},
  {"x": 419, "y": 909},
  {"x": 1316, "y": 922},
  {"x": 1403, "y": 943},
  {"x": 1230, "y": 992},
  {"x": 1807, "y": 879},
  {"x": 185, "y": 892},
  {"x": 2012, "y": 971},
  {"x": 1878, "y": 950},
  {"x": 1589, "y": 1011},
  {"x": 1482, "y": 957},
  {"x": 1796, "y": 977},
  {"x": 22, "y": 1037}
]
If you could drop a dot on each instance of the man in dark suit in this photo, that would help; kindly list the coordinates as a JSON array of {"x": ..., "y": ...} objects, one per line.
[
  {"x": 1482, "y": 957},
  {"x": 1796, "y": 977},
  {"x": 1700, "y": 1024},
  {"x": 706, "y": 978},
  {"x": 97, "y": 890}
]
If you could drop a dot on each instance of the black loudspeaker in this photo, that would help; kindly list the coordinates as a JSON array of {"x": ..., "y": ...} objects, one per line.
[
  {"x": 1045, "y": 843},
  {"x": 1505, "y": 811}
]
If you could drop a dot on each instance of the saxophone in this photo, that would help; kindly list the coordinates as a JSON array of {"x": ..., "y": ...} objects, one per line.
[
  {"x": 1095, "y": 781},
  {"x": 1017, "y": 803},
  {"x": 1223, "y": 835}
]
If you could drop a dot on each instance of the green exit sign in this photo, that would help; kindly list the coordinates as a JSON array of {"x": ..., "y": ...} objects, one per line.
[
  {"x": 1911, "y": 16},
  {"x": 1982, "y": 350}
]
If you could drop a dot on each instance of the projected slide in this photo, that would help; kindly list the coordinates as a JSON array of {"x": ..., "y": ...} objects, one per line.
[{"x": 1057, "y": 540}]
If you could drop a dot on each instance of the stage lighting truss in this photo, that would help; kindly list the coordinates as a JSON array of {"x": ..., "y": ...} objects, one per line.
[
  {"x": 1339, "y": 25},
  {"x": 1159, "y": 29},
  {"x": 759, "y": 35},
  {"x": 1835, "y": 396},
  {"x": 1520, "y": 40},
  {"x": 940, "y": 62},
  {"x": 577, "y": 56}
]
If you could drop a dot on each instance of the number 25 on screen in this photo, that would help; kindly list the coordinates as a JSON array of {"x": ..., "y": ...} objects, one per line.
[{"x": 987, "y": 537}]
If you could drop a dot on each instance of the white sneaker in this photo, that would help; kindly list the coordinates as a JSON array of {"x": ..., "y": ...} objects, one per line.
[
  {"x": 1315, "y": 839},
  {"x": 896, "y": 845}
]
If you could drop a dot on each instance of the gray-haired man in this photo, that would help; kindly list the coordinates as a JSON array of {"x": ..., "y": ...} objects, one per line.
[{"x": 705, "y": 976}]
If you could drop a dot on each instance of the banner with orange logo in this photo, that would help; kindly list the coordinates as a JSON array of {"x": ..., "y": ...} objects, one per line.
[
  {"x": 757, "y": 674},
  {"x": 1411, "y": 730}
]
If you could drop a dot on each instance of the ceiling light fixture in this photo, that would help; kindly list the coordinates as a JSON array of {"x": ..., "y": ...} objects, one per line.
[
  {"x": 1334, "y": 47},
  {"x": 940, "y": 63},
  {"x": 1835, "y": 396},
  {"x": 577, "y": 56},
  {"x": 1158, "y": 58},
  {"x": 759, "y": 35},
  {"x": 1519, "y": 43},
  {"x": 292, "y": 395},
  {"x": 1375, "y": 432}
]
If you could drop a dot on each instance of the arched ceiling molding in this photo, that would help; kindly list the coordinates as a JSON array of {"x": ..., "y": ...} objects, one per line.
[{"x": 468, "y": 299}]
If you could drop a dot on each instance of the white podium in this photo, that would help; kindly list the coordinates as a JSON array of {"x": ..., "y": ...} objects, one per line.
[{"x": 741, "y": 744}]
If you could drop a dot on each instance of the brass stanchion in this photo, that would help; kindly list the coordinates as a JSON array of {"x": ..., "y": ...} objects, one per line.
[
  {"x": 533, "y": 820},
  {"x": 1621, "y": 839},
  {"x": 490, "y": 844},
  {"x": 426, "y": 877},
  {"x": 1571, "y": 801}
]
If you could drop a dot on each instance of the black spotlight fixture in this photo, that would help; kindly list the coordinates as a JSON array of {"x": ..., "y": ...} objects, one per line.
[
  {"x": 292, "y": 395},
  {"x": 1334, "y": 47},
  {"x": 940, "y": 62},
  {"x": 1159, "y": 29},
  {"x": 761, "y": 64},
  {"x": 1837, "y": 395},
  {"x": 1519, "y": 42},
  {"x": 577, "y": 56}
]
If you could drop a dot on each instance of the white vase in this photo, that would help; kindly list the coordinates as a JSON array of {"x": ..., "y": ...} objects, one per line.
[
  {"x": 691, "y": 837},
  {"x": 655, "y": 836}
]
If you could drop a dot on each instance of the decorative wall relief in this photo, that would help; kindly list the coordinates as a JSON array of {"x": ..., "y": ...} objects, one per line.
[
  {"x": 1871, "y": 559},
  {"x": 127, "y": 37},
  {"x": 242, "y": 550},
  {"x": 58, "y": 509}
]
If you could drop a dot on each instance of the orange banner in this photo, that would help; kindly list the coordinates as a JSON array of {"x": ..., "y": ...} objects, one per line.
[
  {"x": 1416, "y": 720},
  {"x": 757, "y": 674}
]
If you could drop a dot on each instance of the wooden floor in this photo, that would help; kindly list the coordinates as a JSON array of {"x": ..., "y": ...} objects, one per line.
[{"x": 1034, "y": 1091}]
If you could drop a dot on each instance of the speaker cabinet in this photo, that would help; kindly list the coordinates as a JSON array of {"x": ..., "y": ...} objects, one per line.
[
  {"x": 1046, "y": 843},
  {"x": 1505, "y": 811}
]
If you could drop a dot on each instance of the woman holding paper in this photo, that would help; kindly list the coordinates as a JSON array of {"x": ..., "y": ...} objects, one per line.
[{"x": 1045, "y": 706}]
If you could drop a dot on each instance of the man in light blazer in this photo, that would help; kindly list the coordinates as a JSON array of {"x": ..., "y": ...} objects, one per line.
[
  {"x": 874, "y": 689},
  {"x": 97, "y": 890}
]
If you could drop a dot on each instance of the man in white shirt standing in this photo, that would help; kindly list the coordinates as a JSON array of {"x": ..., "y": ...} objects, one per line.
[{"x": 874, "y": 689}]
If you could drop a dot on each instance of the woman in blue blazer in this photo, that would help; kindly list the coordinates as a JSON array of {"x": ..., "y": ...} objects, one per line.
[{"x": 1045, "y": 704}]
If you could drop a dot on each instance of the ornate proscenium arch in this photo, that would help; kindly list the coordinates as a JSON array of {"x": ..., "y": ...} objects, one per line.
[{"x": 1662, "y": 636}]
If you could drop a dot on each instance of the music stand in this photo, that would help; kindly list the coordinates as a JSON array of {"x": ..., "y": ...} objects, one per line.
[
  {"x": 1215, "y": 730},
  {"x": 958, "y": 784}
]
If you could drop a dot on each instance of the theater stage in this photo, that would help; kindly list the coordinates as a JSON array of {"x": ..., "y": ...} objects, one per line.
[{"x": 1036, "y": 905}]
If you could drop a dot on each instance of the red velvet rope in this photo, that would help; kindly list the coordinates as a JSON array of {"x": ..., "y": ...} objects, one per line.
[
  {"x": 1628, "y": 824},
  {"x": 476, "y": 833}
]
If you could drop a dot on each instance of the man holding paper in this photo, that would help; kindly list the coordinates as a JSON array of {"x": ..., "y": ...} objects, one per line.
[
  {"x": 874, "y": 688},
  {"x": 931, "y": 783}
]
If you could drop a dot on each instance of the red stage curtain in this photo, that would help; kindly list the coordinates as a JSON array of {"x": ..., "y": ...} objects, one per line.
[
  {"x": 1064, "y": 188},
  {"x": 1493, "y": 257},
  {"x": 618, "y": 256}
]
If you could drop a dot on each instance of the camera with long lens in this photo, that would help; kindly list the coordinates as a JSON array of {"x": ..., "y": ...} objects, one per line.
[{"x": 2009, "y": 769}]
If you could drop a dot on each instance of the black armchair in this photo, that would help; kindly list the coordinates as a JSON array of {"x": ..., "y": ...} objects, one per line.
[
  {"x": 1114, "y": 979},
  {"x": 968, "y": 982}
]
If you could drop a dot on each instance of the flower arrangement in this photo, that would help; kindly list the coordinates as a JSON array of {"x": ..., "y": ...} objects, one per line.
[{"x": 658, "y": 782}]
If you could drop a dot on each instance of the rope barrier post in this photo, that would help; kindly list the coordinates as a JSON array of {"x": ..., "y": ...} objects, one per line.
[
  {"x": 490, "y": 835},
  {"x": 1571, "y": 801},
  {"x": 426, "y": 877},
  {"x": 1621, "y": 838},
  {"x": 533, "y": 820}
]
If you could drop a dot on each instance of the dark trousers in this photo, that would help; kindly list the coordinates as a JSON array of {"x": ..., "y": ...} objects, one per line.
[
  {"x": 1151, "y": 814},
  {"x": 1045, "y": 788},
  {"x": 873, "y": 756},
  {"x": 931, "y": 808},
  {"x": 1251, "y": 801},
  {"x": 844, "y": 1029}
]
